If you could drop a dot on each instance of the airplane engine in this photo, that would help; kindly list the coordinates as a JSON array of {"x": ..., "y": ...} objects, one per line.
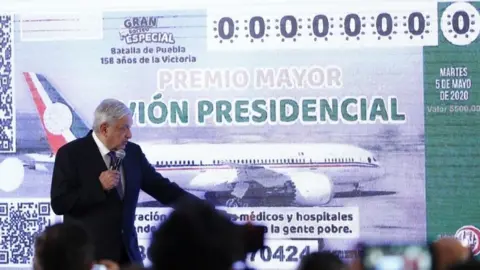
[
  {"x": 30, "y": 165},
  {"x": 214, "y": 181},
  {"x": 312, "y": 189}
]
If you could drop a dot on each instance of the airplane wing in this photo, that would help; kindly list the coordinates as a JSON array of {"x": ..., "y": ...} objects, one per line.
[
  {"x": 264, "y": 175},
  {"x": 258, "y": 181}
]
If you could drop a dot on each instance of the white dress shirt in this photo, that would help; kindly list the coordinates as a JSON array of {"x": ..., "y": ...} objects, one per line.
[{"x": 106, "y": 158}]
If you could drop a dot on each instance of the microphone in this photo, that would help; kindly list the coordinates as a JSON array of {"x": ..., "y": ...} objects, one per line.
[{"x": 120, "y": 154}]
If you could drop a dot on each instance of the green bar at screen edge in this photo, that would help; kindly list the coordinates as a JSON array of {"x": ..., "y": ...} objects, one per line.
[{"x": 452, "y": 125}]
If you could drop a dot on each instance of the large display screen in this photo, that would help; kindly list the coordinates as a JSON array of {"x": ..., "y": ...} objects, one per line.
[{"x": 329, "y": 123}]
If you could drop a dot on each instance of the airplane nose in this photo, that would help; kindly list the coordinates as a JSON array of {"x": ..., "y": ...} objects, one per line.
[{"x": 379, "y": 172}]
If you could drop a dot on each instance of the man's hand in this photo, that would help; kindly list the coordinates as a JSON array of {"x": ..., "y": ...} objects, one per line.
[{"x": 109, "y": 179}]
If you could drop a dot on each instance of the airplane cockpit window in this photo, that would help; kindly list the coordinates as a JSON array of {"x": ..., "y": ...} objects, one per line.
[
  {"x": 369, "y": 160},
  {"x": 374, "y": 159}
]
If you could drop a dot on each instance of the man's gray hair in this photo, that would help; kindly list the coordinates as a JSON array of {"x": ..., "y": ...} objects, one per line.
[{"x": 109, "y": 111}]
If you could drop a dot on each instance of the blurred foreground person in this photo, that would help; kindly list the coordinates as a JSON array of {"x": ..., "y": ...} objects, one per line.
[
  {"x": 66, "y": 246},
  {"x": 449, "y": 251},
  {"x": 322, "y": 260},
  {"x": 200, "y": 237}
]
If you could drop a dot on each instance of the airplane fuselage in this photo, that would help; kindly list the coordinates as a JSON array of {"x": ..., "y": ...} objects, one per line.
[{"x": 343, "y": 164}]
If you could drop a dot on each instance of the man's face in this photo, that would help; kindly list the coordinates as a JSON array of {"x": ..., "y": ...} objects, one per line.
[{"x": 117, "y": 135}]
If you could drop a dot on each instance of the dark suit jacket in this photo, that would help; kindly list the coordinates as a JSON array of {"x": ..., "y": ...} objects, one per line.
[{"x": 77, "y": 193}]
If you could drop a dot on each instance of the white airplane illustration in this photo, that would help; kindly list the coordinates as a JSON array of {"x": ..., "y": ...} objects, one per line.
[{"x": 247, "y": 174}]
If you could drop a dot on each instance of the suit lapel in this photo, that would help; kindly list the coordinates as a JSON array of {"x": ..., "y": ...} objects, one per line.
[{"x": 95, "y": 158}]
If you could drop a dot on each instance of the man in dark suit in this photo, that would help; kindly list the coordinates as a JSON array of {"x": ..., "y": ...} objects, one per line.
[{"x": 85, "y": 189}]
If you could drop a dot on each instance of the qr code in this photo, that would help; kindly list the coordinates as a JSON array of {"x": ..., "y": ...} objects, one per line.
[
  {"x": 7, "y": 110},
  {"x": 21, "y": 220}
]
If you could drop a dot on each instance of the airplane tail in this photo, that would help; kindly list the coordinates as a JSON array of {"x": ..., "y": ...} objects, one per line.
[{"x": 59, "y": 120}]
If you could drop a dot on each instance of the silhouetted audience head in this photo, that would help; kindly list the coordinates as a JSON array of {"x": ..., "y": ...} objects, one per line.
[
  {"x": 64, "y": 246},
  {"x": 196, "y": 237},
  {"x": 449, "y": 251},
  {"x": 321, "y": 260}
]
